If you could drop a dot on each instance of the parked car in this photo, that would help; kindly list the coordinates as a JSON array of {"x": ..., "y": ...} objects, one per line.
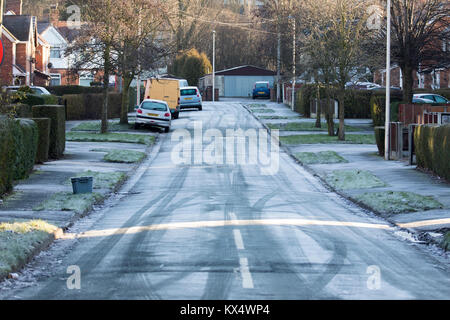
[
  {"x": 36, "y": 90},
  {"x": 362, "y": 85},
  {"x": 261, "y": 89},
  {"x": 431, "y": 98},
  {"x": 422, "y": 101},
  {"x": 190, "y": 97},
  {"x": 153, "y": 113}
]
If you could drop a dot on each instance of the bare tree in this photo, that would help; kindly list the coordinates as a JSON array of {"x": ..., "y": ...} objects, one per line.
[{"x": 420, "y": 30}]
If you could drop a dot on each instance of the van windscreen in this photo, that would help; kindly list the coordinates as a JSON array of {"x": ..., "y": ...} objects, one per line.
[{"x": 261, "y": 85}]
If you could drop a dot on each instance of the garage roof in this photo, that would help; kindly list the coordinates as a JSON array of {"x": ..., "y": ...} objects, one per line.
[{"x": 246, "y": 71}]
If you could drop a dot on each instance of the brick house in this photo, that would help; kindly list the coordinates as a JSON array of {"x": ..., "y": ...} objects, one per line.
[{"x": 25, "y": 53}]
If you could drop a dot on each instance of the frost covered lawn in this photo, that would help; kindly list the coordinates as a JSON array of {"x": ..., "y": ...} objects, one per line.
[
  {"x": 305, "y": 126},
  {"x": 353, "y": 179},
  {"x": 279, "y": 117},
  {"x": 18, "y": 240},
  {"x": 322, "y": 157},
  {"x": 110, "y": 137},
  {"x": 262, "y": 110},
  {"x": 122, "y": 156},
  {"x": 326, "y": 139},
  {"x": 95, "y": 126},
  {"x": 398, "y": 202},
  {"x": 67, "y": 201}
]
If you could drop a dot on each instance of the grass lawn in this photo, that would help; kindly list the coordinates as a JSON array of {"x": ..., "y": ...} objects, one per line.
[
  {"x": 67, "y": 201},
  {"x": 353, "y": 179},
  {"x": 95, "y": 126},
  {"x": 122, "y": 156},
  {"x": 305, "y": 126},
  {"x": 398, "y": 202},
  {"x": 262, "y": 110},
  {"x": 322, "y": 157},
  {"x": 326, "y": 139},
  {"x": 279, "y": 117},
  {"x": 256, "y": 105},
  {"x": 102, "y": 180},
  {"x": 110, "y": 137},
  {"x": 446, "y": 242},
  {"x": 18, "y": 240}
]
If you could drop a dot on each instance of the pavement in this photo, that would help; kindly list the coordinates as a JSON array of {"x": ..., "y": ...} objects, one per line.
[
  {"x": 398, "y": 175},
  {"x": 54, "y": 176},
  {"x": 214, "y": 231}
]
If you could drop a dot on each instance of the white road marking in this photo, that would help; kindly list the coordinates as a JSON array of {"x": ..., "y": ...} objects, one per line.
[
  {"x": 238, "y": 239},
  {"x": 247, "y": 281}
]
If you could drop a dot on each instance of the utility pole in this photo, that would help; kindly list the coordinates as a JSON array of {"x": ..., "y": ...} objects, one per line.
[
  {"x": 214, "y": 68},
  {"x": 279, "y": 65},
  {"x": 138, "y": 78},
  {"x": 388, "y": 85}
]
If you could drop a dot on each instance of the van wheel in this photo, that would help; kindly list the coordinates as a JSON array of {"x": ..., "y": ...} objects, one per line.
[{"x": 200, "y": 108}]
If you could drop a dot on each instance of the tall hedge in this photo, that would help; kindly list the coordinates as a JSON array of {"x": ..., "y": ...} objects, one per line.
[
  {"x": 34, "y": 99},
  {"x": 57, "y": 115},
  {"x": 17, "y": 150},
  {"x": 65, "y": 90},
  {"x": 43, "y": 126},
  {"x": 432, "y": 146},
  {"x": 378, "y": 107},
  {"x": 89, "y": 106}
]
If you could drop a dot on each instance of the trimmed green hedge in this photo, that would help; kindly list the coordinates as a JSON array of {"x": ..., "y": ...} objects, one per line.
[
  {"x": 89, "y": 106},
  {"x": 432, "y": 145},
  {"x": 17, "y": 150},
  {"x": 378, "y": 107},
  {"x": 35, "y": 100},
  {"x": 43, "y": 126},
  {"x": 65, "y": 90},
  {"x": 19, "y": 110},
  {"x": 57, "y": 128},
  {"x": 380, "y": 139}
]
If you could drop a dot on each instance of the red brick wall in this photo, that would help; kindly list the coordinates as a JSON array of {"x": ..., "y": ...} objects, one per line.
[
  {"x": 6, "y": 77},
  {"x": 67, "y": 77}
]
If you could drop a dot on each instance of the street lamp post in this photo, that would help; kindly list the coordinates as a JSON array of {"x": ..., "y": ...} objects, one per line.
[
  {"x": 293, "y": 63},
  {"x": 214, "y": 68},
  {"x": 388, "y": 84}
]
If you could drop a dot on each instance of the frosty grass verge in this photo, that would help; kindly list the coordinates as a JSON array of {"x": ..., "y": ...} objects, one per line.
[{"x": 323, "y": 157}]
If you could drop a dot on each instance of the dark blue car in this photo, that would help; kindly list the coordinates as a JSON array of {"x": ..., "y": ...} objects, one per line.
[{"x": 261, "y": 89}]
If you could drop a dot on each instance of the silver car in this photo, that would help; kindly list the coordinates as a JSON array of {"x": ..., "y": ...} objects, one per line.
[
  {"x": 153, "y": 113},
  {"x": 431, "y": 98},
  {"x": 190, "y": 97}
]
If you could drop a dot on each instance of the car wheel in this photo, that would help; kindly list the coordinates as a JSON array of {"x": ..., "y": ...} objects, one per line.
[
  {"x": 137, "y": 125},
  {"x": 166, "y": 130},
  {"x": 200, "y": 108}
]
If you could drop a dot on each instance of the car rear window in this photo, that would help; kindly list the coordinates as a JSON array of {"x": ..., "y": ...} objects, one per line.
[
  {"x": 261, "y": 85},
  {"x": 154, "y": 106},
  {"x": 188, "y": 92}
]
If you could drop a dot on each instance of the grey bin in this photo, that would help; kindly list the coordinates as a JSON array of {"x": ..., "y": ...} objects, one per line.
[{"x": 82, "y": 185}]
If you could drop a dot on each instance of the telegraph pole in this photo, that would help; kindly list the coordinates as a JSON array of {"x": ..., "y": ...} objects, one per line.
[{"x": 293, "y": 65}]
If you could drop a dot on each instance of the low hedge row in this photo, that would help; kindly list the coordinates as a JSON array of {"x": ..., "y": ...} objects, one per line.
[
  {"x": 432, "y": 146},
  {"x": 57, "y": 143},
  {"x": 43, "y": 126},
  {"x": 89, "y": 106},
  {"x": 34, "y": 99},
  {"x": 18, "y": 148}
]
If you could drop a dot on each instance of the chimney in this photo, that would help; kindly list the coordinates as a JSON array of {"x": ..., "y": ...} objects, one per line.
[
  {"x": 15, "y": 6},
  {"x": 53, "y": 16}
]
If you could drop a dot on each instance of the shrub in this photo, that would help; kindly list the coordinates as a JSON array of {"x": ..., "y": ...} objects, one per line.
[
  {"x": 303, "y": 100},
  {"x": 432, "y": 145},
  {"x": 378, "y": 107},
  {"x": 19, "y": 110},
  {"x": 57, "y": 128},
  {"x": 379, "y": 137},
  {"x": 114, "y": 104},
  {"x": 26, "y": 139},
  {"x": 43, "y": 126},
  {"x": 75, "y": 107},
  {"x": 357, "y": 104},
  {"x": 65, "y": 90},
  {"x": 17, "y": 150},
  {"x": 35, "y": 100}
]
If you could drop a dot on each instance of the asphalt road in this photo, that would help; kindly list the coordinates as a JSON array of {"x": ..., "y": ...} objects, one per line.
[{"x": 198, "y": 231}]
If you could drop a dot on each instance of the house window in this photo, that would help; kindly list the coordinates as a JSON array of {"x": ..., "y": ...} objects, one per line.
[
  {"x": 86, "y": 79},
  {"x": 55, "y": 53},
  {"x": 56, "y": 80}
]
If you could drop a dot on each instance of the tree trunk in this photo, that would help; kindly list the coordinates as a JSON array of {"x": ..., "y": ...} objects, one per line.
[
  {"x": 319, "y": 109},
  {"x": 341, "y": 115},
  {"x": 107, "y": 64},
  {"x": 125, "y": 99},
  {"x": 330, "y": 113},
  {"x": 408, "y": 83}
]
